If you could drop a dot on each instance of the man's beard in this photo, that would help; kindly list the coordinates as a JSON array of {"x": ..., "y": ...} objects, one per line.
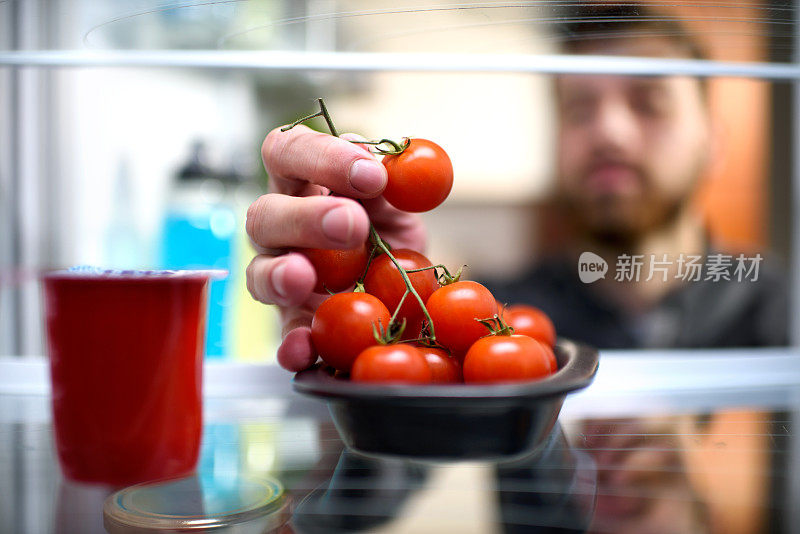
[{"x": 622, "y": 228}]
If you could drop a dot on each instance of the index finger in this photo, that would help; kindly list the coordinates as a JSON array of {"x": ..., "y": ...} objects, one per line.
[{"x": 300, "y": 155}]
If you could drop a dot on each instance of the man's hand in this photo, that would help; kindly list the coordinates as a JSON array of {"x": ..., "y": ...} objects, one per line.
[{"x": 303, "y": 167}]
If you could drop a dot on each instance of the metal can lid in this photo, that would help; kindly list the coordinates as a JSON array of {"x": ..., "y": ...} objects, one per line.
[{"x": 196, "y": 503}]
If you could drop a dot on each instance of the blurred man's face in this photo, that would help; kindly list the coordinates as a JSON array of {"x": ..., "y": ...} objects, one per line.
[{"x": 630, "y": 150}]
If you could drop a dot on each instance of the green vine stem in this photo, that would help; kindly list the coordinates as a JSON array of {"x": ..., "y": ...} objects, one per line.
[
  {"x": 427, "y": 341},
  {"x": 323, "y": 112},
  {"x": 399, "y": 305},
  {"x": 428, "y": 268},
  {"x": 390, "y": 334},
  {"x": 445, "y": 278},
  {"x": 363, "y": 277},
  {"x": 395, "y": 147},
  {"x": 497, "y": 326},
  {"x": 374, "y": 237},
  {"x": 409, "y": 286}
]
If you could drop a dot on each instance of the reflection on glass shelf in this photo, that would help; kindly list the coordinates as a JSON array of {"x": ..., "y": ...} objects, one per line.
[
  {"x": 551, "y": 491},
  {"x": 728, "y": 29},
  {"x": 728, "y": 470}
]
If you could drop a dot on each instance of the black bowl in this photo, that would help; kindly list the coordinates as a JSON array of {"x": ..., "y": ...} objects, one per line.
[{"x": 451, "y": 422}]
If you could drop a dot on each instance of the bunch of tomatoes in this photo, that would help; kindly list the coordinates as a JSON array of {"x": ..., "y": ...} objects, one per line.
[{"x": 409, "y": 320}]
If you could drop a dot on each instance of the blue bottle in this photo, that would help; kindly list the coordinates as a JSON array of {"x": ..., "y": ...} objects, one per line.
[{"x": 199, "y": 233}]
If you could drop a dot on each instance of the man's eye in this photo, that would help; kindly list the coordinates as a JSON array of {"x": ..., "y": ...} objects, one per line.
[{"x": 650, "y": 102}]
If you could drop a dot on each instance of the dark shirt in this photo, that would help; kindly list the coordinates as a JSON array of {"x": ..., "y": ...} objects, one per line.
[{"x": 702, "y": 314}]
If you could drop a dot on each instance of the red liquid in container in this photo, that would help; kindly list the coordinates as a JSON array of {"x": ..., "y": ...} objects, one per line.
[{"x": 126, "y": 369}]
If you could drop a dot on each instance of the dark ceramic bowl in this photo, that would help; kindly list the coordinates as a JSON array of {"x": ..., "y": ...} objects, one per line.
[{"x": 451, "y": 422}]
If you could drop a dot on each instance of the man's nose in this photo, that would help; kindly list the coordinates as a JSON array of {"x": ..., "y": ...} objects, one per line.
[{"x": 616, "y": 126}]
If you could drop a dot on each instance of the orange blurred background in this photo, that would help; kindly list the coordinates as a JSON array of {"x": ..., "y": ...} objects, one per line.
[{"x": 734, "y": 198}]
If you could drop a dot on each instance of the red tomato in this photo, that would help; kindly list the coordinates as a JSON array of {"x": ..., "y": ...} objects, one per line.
[
  {"x": 513, "y": 358},
  {"x": 384, "y": 281},
  {"x": 530, "y": 321},
  {"x": 445, "y": 368},
  {"x": 420, "y": 178},
  {"x": 337, "y": 270},
  {"x": 454, "y": 309},
  {"x": 399, "y": 364},
  {"x": 551, "y": 356},
  {"x": 342, "y": 327}
]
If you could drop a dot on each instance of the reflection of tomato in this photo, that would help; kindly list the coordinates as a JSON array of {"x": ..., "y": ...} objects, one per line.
[
  {"x": 400, "y": 364},
  {"x": 337, "y": 270},
  {"x": 342, "y": 327},
  {"x": 513, "y": 358},
  {"x": 530, "y": 321},
  {"x": 454, "y": 309},
  {"x": 419, "y": 178},
  {"x": 445, "y": 369},
  {"x": 384, "y": 281}
]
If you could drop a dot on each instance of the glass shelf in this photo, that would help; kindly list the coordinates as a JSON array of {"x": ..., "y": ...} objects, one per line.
[{"x": 729, "y": 32}]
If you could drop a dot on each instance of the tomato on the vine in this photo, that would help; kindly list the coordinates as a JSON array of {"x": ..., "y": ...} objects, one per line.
[
  {"x": 455, "y": 310},
  {"x": 419, "y": 178},
  {"x": 530, "y": 321},
  {"x": 337, "y": 270},
  {"x": 385, "y": 282},
  {"x": 398, "y": 364},
  {"x": 501, "y": 358},
  {"x": 342, "y": 327},
  {"x": 445, "y": 368}
]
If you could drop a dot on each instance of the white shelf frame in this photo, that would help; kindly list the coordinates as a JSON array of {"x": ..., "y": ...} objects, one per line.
[{"x": 388, "y": 62}]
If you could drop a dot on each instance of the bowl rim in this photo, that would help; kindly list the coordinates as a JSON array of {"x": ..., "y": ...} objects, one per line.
[{"x": 578, "y": 365}]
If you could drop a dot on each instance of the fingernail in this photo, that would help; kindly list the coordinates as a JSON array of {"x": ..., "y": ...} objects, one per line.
[
  {"x": 367, "y": 176},
  {"x": 353, "y": 137},
  {"x": 278, "y": 282},
  {"x": 337, "y": 225}
]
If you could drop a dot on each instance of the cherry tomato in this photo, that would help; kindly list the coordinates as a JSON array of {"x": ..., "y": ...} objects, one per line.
[
  {"x": 551, "y": 356},
  {"x": 454, "y": 309},
  {"x": 530, "y": 321},
  {"x": 399, "y": 364},
  {"x": 337, "y": 270},
  {"x": 512, "y": 358},
  {"x": 384, "y": 281},
  {"x": 420, "y": 177},
  {"x": 445, "y": 368},
  {"x": 342, "y": 327}
]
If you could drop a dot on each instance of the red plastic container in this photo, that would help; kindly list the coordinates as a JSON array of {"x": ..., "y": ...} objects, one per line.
[{"x": 126, "y": 369}]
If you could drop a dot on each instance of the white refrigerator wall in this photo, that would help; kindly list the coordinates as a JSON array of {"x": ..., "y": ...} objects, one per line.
[{"x": 140, "y": 122}]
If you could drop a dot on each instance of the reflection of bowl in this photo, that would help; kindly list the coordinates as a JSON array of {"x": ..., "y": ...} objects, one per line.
[
  {"x": 550, "y": 491},
  {"x": 451, "y": 422}
]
